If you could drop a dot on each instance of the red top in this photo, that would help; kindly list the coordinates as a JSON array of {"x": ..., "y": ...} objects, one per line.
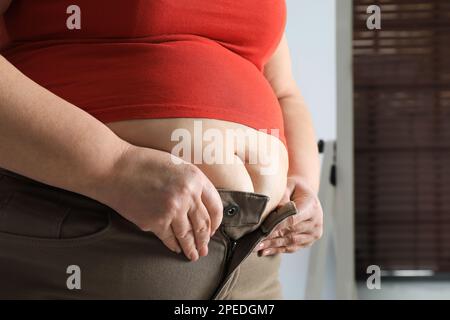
[{"x": 136, "y": 59}]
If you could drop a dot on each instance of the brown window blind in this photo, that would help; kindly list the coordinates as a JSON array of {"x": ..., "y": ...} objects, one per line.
[{"x": 402, "y": 137}]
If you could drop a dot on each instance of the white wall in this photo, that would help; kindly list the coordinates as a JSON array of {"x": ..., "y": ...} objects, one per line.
[{"x": 311, "y": 35}]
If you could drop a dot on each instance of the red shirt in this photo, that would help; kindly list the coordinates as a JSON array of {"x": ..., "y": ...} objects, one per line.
[{"x": 137, "y": 59}]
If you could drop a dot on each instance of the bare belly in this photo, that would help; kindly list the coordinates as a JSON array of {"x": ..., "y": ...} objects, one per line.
[{"x": 231, "y": 155}]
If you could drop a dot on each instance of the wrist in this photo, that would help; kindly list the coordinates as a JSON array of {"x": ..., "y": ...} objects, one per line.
[
  {"x": 104, "y": 174},
  {"x": 127, "y": 166}
]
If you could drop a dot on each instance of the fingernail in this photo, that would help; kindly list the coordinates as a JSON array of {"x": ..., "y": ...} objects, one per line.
[
  {"x": 266, "y": 252},
  {"x": 204, "y": 251},
  {"x": 203, "y": 247},
  {"x": 194, "y": 256},
  {"x": 176, "y": 250},
  {"x": 261, "y": 245}
]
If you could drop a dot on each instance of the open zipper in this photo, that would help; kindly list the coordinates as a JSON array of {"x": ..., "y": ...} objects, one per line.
[{"x": 230, "y": 248}]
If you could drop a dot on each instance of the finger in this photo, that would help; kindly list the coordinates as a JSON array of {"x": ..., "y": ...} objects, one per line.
[
  {"x": 275, "y": 243},
  {"x": 272, "y": 251},
  {"x": 288, "y": 223},
  {"x": 286, "y": 235},
  {"x": 168, "y": 238},
  {"x": 308, "y": 226},
  {"x": 288, "y": 240},
  {"x": 201, "y": 225},
  {"x": 183, "y": 232},
  {"x": 304, "y": 213},
  {"x": 288, "y": 249},
  {"x": 290, "y": 186},
  {"x": 276, "y": 233},
  {"x": 213, "y": 204},
  {"x": 273, "y": 235},
  {"x": 292, "y": 249}
]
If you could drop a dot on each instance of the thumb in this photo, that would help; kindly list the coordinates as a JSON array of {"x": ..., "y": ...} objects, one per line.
[{"x": 290, "y": 187}]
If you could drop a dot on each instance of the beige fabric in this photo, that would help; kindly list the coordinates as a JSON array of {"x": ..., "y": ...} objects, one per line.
[{"x": 256, "y": 278}]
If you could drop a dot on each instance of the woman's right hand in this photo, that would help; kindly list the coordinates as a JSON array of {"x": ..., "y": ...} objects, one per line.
[{"x": 176, "y": 202}]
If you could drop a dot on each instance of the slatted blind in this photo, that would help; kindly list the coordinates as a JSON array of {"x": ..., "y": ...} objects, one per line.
[{"x": 402, "y": 137}]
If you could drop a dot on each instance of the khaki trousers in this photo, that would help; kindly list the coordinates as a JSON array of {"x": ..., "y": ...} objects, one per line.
[{"x": 56, "y": 244}]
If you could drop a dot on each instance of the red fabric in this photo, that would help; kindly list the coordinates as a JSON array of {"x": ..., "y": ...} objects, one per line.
[{"x": 135, "y": 59}]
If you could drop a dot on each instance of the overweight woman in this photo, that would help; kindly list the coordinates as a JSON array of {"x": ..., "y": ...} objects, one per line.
[{"x": 152, "y": 149}]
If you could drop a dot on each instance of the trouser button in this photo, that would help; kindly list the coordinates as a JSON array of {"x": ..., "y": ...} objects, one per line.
[{"x": 231, "y": 210}]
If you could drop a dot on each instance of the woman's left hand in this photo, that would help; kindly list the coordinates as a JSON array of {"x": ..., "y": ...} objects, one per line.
[{"x": 300, "y": 230}]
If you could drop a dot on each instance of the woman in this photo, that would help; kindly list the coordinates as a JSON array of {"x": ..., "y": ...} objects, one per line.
[{"x": 109, "y": 118}]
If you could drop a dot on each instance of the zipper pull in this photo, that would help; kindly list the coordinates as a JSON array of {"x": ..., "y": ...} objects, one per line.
[
  {"x": 231, "y": 250},
  {"x": 233, "y": 245}
]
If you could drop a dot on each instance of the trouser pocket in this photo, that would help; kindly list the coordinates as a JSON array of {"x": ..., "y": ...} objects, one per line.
[{"x": 32, "y": 212}]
